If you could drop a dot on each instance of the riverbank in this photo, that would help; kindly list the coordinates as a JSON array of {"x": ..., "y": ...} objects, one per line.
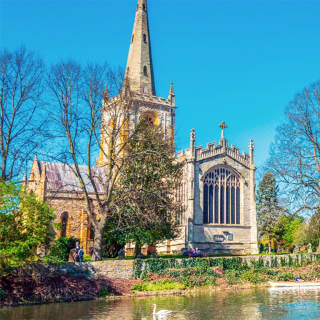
[
  {"x": 19, "y": 290},
  {"x": 158, "y": 278},
  {"x": 70, "y": 289}
]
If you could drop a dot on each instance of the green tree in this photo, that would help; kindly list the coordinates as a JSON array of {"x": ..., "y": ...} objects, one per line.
[
  {"x": 314, "y": 229},
  {"x": 268, "y": 210},
  {"x": 25, "y": 225},
  {"x": 286, "y": 227},
  {"x": 301, "y": 235},
  {"x": 143, "y": 198},
  {"x": 114, "y": 239}
]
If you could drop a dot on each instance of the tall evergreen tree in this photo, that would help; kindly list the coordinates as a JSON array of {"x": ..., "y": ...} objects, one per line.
[
  {"x": 144, "y": 199},
  {"x": 268, "y": 210}
]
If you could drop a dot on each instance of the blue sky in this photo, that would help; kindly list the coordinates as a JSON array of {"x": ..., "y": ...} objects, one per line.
[{"x": 239, "y": 61}]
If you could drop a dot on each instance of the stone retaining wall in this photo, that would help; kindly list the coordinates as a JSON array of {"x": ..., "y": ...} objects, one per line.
[
  {"x": 123, "y": 269},
  {"x": 114, "y": 269}
]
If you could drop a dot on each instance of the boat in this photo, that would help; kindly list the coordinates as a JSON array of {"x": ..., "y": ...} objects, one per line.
[{"x": 295, "y": 284}]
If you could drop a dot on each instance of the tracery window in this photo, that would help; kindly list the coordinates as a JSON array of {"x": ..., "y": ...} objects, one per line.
[{"x": 221, "y": 197}]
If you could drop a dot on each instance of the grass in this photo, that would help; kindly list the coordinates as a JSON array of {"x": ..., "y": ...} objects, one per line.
[{"x": 160, "y": 285}]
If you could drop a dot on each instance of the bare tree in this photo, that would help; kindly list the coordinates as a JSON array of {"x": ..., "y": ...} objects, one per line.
[
  {"x": 21, "y": 120},
  {"x": 295, "y": 154},
  {"x": 88, "y": 121}
]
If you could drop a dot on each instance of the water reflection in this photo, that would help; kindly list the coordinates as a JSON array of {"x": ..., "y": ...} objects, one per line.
[{"x": 242, "y": 304}]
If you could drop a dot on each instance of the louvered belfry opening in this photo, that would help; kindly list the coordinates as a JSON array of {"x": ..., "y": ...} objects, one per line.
[{"x": 221, "y": 197}]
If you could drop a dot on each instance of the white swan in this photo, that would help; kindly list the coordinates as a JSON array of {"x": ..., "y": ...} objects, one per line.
[{"x": 161, "y": 313}]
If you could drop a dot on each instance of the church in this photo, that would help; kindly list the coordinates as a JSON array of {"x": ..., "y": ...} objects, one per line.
[{"x": 218, "y": 185}]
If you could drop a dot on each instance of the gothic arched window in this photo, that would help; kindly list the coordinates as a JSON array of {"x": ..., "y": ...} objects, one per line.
[
  {"x": 221, "y": 197},
  {"x": 145, "y": 38},
  {"x": 64, "y": 224}
]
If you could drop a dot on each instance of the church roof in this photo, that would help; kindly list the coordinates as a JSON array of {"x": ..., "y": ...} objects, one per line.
[{"x": 61, "y": 177}]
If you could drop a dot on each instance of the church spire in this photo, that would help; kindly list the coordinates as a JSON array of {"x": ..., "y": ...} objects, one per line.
[{"x": 139, "y": 71}]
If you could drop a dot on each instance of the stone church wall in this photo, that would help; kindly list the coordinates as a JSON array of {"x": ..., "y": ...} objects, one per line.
[{"x": 78, "y": 225}]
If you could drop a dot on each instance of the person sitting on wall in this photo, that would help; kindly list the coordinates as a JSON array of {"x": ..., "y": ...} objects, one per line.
[
  {"x": 192, "y": 253},
  {"x": 298, "y": 279},
  {"x": 78, "y": 253},
  {"x": 195, "y": 253}
]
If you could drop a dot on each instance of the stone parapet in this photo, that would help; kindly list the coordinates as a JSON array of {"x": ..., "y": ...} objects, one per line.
[{"x": 214, "y": 150}]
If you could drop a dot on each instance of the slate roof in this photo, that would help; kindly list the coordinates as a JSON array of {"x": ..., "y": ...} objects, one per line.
[{"x": 61, "y": 177}]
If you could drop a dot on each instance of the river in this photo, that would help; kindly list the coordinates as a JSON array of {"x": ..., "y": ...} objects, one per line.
[{"x": 241, "y": 304}]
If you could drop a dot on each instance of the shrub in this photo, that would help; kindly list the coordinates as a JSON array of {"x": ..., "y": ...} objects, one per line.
[
  {"x": 86, "y": 258},
  {"x": 253, "y": 277},
  {"x": 104, "y": 292},
  {"x": 233, "y": 276},
  {"x": 193, "y": 277},
  {"x": 3, "y": 294},
  {"x": 283, "y": 262},
  {"x": 62, "y": 247},
  {"x": 199, "y": 280},
  {"x": 274, "y": 262},
  {"x": 258, "y": 264},
  {"x": 285, "y": 276},
  {"x": 52, "y": 259}
]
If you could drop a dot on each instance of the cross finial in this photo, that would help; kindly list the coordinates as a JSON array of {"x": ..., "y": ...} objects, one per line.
[{"x": 223, "y": 126}]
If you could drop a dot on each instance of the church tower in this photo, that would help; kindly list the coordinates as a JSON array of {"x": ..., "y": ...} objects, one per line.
[
  {"x": 138, "y": 94},
  {"x": 139, "y": 79}
]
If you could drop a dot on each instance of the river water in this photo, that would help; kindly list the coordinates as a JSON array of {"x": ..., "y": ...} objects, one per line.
[{"x": 242, "y": 304}]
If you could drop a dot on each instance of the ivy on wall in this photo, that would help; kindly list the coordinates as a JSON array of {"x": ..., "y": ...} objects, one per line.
[{"x": 141, "y": 267}]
